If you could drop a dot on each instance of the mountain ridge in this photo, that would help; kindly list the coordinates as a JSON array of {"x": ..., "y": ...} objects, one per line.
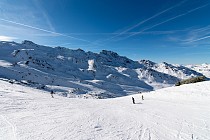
[{"x": 75, "y": 73}]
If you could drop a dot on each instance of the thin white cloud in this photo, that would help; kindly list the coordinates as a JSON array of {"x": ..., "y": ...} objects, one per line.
[
  {"x": 199, "y": 39},
  {"x": 7, "y": 38},
  {"x": 44, "y": 30},
  {"x": 175, "y": 17},
  {"x": 198, "y": 34},
  {"x": 146, "y": 20},
  {"x": 202, "y": 29},
  {"x": 126, "y": 33},
  {"x": 198, "y": 53},
  {"x": 45, "y": 15},
  {"x": 192, "y": 36}
]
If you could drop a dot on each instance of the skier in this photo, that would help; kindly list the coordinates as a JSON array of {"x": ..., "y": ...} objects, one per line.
[
  {"x": 133, "y": 100},
  {"x": 52, "y": 93},
  {"x": 142, "y": 97}
]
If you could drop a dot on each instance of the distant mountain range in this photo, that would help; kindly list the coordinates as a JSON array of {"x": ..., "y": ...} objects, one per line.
[
  {"x": 203, "y": 68},
  {"x": 76, "y": 73}
]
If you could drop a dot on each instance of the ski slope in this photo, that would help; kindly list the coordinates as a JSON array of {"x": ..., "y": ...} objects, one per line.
[{"x": 175, "y": 113}]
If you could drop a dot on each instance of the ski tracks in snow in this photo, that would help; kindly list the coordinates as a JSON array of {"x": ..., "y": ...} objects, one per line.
[
  {"x": 37, "y": 116},
  {"x": 11, "y": 130}
]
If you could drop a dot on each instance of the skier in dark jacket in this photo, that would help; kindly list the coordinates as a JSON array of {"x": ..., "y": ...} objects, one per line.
[
  {"x": 52, "y": 93},
  {"x": 133, "y": 100},
  {"x": 142, "y": 97}
]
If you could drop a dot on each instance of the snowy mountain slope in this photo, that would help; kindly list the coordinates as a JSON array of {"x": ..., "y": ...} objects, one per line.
[
  {"x": 78, "y": 73},
  {"x": 176, "y": 113},
  {"x": 203, "y": 68},
  {"x": 174, "y": 70}
]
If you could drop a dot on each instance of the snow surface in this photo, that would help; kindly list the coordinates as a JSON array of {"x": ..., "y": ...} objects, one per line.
[{"x": 175, "y": 113}]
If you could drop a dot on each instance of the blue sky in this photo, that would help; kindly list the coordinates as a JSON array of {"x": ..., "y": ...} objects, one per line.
[{"x": 175, "y": 31}]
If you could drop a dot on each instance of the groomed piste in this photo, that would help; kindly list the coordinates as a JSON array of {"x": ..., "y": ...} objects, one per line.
[{"x": 175, "y": 113}]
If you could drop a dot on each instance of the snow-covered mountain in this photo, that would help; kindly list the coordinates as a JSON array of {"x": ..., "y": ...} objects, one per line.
[
  {"x": 179, "y": 71},
  {"x": 74, "y": 73},
  {"x": 203, "y": 68},
  {"x": 174, "y": 113}
]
